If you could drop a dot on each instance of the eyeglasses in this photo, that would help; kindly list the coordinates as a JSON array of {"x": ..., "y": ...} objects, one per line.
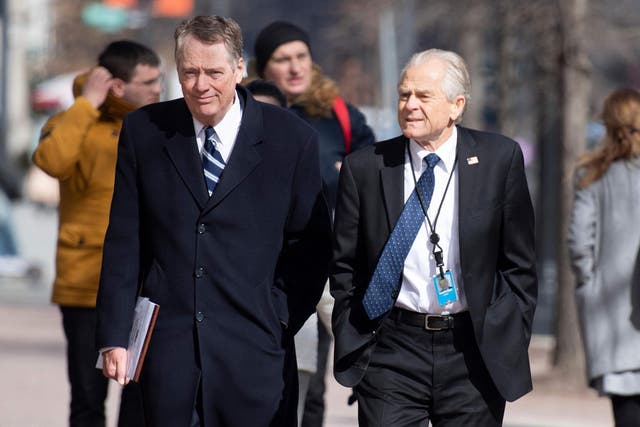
[{"x": 158, "y": 80}]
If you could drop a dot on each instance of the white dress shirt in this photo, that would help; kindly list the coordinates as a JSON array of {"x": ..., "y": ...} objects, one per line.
[
  {"x": 227, "y": 130},
  {"x": 418, "y": 292}
]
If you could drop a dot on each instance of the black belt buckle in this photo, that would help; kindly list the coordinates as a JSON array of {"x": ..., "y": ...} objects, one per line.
[{"x": 436, "y": 317}]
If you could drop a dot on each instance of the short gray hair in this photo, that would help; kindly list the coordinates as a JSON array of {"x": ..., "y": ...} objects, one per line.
[
  {"x": 211, "y": 29},
  {"x": 456, "y": 81}
]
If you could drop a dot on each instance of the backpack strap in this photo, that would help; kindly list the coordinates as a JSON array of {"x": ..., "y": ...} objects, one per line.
[{"x": 342, "y": 114}]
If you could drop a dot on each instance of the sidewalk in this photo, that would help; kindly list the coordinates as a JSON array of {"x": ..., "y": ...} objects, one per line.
[
  {"x": 548, "y": 405},
  {"x": 34, "y": 390}
]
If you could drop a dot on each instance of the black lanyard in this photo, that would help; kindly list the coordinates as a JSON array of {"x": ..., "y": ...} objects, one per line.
[{"x": 433, "y": 237}]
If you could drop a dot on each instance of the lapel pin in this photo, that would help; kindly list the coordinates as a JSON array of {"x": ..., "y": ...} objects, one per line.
[{"x": 472, "y": 160}]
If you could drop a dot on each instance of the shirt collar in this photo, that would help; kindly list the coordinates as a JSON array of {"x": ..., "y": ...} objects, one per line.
[
  {"x": 446, "y": 152},
  {"x": 227, "y": 128}
]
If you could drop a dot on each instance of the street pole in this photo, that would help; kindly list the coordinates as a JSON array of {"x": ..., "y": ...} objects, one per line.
[{"x": 3, "y": 77}]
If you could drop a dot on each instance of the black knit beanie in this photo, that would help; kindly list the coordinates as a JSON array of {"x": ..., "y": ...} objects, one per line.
[{"x": 272, "y": 36}]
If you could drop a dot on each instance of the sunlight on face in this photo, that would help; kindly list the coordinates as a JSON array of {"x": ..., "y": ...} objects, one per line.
[
  {"x": 424, "y": 113},
  {"x": 208, "y": 79}
]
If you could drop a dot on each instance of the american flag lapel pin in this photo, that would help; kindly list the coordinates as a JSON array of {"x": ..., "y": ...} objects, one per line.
[{"x": 472, "y": 160}]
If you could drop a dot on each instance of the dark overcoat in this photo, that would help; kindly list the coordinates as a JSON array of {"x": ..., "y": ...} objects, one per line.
[{"x": 235, "y": 274}]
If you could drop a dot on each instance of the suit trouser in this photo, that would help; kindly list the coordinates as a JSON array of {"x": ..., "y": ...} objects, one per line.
[
  {"x": 88, "y": 385},
  {"x": 417, "y": 375},
  {"x": 626, "y": 410}
]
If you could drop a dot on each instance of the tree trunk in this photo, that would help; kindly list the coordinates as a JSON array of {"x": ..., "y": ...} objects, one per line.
[
  {"x": 575, "y": 69},
  {"x": 474, "y": 51},
  {"x": 509, "y": 81}
]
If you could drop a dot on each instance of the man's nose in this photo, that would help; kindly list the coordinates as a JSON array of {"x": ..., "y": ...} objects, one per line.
[
  {"x": 412, "y": 102},
  {"x": 295, "y": 66},
  {"x": 201, "y": 82},
  {"x": 156, "y": 87}
]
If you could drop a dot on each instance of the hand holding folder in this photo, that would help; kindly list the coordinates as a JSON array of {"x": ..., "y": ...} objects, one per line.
[{"x": 144, "y": 320}]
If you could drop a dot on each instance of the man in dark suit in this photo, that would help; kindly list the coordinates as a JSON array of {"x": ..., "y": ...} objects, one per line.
[
  {"x": 434, "y": 273},
  {"x": 217, "y": 216}
]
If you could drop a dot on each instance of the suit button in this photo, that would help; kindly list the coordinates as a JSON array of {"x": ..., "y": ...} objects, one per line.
[
  {"x": 200, "y": 272},
  {"x": 202, "y": 228},
  {"x": 394, "y": 294},
  {"x": 199, "y": 316}
]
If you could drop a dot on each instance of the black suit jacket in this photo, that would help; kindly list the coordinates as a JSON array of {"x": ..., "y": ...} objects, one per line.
[
  {"x": 235, "y": 275},
  {"x": 496, "y": 238}
]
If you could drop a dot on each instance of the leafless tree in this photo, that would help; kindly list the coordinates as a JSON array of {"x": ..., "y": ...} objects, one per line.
[{"x": 575, "y": 74}]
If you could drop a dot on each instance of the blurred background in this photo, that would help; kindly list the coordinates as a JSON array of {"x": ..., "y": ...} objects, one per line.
[{"x": 540, "y": 71}]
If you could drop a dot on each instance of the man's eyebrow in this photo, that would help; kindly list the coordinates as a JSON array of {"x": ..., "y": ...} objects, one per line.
[{"x": 417, "y": 91}]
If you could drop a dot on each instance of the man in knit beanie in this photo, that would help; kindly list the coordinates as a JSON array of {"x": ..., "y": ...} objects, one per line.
[
  {"x": 288, "y": 47},
  {"x": 274, "y": 35}
]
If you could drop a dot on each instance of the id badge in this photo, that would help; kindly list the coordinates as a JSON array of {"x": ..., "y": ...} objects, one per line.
[{"x": 445, "y": 288}]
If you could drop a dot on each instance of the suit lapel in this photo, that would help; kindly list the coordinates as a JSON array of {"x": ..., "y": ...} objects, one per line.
[
  {"x": 244, "y": 157},
  {"x": 392, "y": 177},
  {"x": 469, "y": 178},
  {"x": 183, "y": 152}
]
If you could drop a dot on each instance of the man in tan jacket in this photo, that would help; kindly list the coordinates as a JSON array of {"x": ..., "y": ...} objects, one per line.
[{"x": 78, "y": 147}]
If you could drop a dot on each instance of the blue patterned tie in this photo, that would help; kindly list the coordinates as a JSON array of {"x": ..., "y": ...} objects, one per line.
[
  {"x": 379, "y": 297},
  {"x": 211, "y": 160}
]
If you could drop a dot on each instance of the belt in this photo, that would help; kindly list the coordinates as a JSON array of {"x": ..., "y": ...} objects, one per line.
[{"x": 430, "y": 322}]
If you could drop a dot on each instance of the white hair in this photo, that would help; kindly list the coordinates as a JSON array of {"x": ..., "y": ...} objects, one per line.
[{"x": 455, "y": 82}]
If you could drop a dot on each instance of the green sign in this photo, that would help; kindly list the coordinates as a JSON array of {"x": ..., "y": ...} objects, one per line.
[{"x": 107, "y": 19}]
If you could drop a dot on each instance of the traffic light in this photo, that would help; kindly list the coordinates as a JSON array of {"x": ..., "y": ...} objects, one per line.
[{"x": 172, "y": 8}]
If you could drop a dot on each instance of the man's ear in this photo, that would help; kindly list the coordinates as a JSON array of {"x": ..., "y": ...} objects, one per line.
[
  {"x": 239, "y": 71},
  {"x": 117, "y": 87},
  {"x": 458, "y": 107}
]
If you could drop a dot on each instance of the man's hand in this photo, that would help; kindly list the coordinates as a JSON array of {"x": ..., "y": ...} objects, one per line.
[
  {"x": 115, "y": 365},
  {"x": 97, "y": 86}
]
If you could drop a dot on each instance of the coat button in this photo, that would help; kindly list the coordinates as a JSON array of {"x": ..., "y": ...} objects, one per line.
[
  {"x": 202, "y": 228},
  {"x": 199, "y": 316},
  {"x": 394, "y": 294},
  {"x": 199, "y": 272}
]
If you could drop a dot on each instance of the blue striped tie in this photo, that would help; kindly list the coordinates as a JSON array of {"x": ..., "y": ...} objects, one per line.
[
  {"x": 211, "y": 160},
  {"x": 381, "y": 292}
]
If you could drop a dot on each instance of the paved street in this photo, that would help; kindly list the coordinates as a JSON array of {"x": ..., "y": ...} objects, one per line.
[{"x": 34, "y": 390}]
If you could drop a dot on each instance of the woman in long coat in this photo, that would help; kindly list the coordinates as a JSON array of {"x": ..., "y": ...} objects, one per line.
[{"x": 604, "y": 238}]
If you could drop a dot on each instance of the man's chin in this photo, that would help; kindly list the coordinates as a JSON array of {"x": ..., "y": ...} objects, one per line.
[{"x": 410, "y": 132}]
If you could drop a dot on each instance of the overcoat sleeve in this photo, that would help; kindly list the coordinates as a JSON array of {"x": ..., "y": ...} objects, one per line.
[{"x": 121, "y": 258}]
